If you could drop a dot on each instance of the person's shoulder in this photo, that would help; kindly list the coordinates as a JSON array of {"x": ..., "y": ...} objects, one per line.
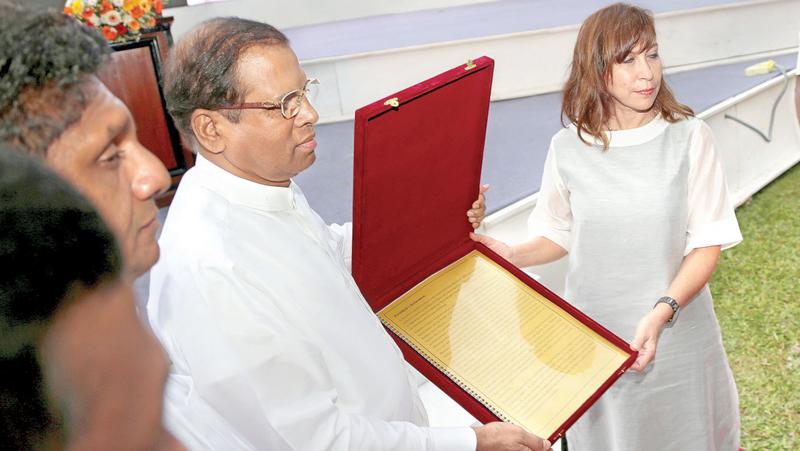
[
  {"x": 195, "y": 224},
  {"x": 689, "y": 125},
  {"x": 566, "y": 144},
  {"x": 685, "y": 132},
  {"x": 566, "y": 138}
]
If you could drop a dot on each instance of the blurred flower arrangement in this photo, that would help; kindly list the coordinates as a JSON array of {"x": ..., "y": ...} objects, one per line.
[{"x": 118, "y": 20}]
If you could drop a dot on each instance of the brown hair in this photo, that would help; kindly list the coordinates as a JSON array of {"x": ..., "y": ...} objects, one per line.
[
  {"x": 202, "y": 68},
  {"x": 607, "y": 37}
]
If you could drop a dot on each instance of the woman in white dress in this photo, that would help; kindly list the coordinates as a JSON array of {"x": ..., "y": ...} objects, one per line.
[{"x": 634, "y": 193}]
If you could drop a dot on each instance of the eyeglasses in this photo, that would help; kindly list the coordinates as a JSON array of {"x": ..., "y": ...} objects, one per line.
[{"x": 289, "y": 104}]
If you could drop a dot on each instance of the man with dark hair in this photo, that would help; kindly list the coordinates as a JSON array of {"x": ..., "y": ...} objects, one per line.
[
  {"x": 100, "y": 365},
  {"x": 79, "y": 369},
  {"x": 54, "y": 107},
  {"x": 272, "y": 344}
]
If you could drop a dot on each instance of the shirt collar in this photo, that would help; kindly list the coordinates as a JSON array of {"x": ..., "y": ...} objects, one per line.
[
  {"x": 241, "y": 191},
  {"x": 633, "y": 136}
]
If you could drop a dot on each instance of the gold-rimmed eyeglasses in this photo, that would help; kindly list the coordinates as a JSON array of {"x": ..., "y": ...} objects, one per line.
[{"x": 289, "y": 104}]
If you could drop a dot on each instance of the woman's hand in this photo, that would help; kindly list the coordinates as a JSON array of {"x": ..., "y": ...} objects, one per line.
[
  {"x": 476, "y": 214},
  {"x": 695, "y": 270},
  {"x": 500, "y": 248},
  {"x": 647, "y": 333}
]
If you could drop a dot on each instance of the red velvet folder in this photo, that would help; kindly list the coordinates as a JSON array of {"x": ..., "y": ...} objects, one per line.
[{"x": 418, "y": 158}]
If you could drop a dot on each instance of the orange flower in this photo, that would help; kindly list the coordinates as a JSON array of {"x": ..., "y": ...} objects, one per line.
[
  {"x": 68, "y": 10},
  {"x": 109, "y": 33},
  {"x": 137, "y": 12},
  {"x": 151, "y": 22},
  {"x": 106, "y": 6},
  {"x": 87, "y": 12},
  {"x": 158, "y": 5}
]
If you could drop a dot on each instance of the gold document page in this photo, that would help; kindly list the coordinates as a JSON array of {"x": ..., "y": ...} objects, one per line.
[{"x": 516, "y": 352}]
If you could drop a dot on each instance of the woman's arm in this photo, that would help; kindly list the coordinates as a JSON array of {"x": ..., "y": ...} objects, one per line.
[
  {"x": 536, "y": 251},
  {"x": 695, "y": 271}
]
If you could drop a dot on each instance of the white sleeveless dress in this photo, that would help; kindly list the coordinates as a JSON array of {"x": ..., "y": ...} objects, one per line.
[{"x": 628, "y": 216}]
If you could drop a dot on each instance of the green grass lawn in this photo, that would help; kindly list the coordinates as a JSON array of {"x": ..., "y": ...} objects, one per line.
[{"x": 757, "y": 299}]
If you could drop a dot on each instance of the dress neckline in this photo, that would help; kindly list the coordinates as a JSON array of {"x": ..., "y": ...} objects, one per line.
[{"x": 631, "y": 136}]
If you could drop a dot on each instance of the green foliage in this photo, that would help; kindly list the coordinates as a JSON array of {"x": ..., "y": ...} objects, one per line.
[{"x": 756, "y": 291}]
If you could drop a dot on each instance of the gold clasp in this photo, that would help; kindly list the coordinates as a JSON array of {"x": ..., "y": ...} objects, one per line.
[
  {"x": 393, "y": 102},
  {"x": 470, "y": 65}
]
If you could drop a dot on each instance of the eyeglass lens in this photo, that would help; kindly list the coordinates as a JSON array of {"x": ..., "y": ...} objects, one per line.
[{"x": 294, "y": 100}]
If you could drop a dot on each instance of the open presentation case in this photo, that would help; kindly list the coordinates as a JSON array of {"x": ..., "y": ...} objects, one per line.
[{"x": 500, "y": 344}]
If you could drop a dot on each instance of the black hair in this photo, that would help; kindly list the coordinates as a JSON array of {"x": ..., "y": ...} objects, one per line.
[
  {"x": 53, "y": 244},
  {"x": 202, "y": 68},
  {"x": 46, "y": 59}
]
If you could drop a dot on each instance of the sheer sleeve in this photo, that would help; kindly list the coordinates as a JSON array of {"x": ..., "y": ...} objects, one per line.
[
  {"x": 552, "y": 216},
  {"x": 712, "y": 220}
]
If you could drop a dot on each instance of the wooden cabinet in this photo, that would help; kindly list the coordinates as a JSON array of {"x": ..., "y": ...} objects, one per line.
[{"x": 134, "y": 75}]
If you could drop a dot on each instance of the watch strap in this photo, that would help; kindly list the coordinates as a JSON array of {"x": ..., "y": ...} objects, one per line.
[{"x": 675, "y": 307}]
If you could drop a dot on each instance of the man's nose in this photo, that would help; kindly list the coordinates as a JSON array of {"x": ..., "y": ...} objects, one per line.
[
  {"x": 308, "y": 114},
  {"x": 149, "y": 177}
]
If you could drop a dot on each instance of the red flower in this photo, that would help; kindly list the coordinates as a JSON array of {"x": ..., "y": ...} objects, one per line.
[
  {"x": 109, "y": 33},
  {"x": 87, "y": 12},
  {"x": 106, "y": 6},
  {"x": 137, "y": 12},
  {"x": 121, "y": 29}
]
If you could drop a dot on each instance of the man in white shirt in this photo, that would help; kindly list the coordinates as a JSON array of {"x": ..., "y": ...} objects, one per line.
[{"x": 272, "y": 344}]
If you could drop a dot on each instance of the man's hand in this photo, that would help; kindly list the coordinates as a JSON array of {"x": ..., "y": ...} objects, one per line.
[
  {"x": 508, "y": 437},
  {"x": 476, "y": 214},
  {"x": 647, "y": 333},
  {"x": 499, "y": 247}
]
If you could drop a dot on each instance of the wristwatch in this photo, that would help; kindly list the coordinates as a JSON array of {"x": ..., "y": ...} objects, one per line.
[{"x": 675, "y": 309}]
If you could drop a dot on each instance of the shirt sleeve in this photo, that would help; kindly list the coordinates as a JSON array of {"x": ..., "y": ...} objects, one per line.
[
  {"x": 344, "y": 236},
  {"x": 712, "y": 220},
  {"x": 272, "y": 379},
  {"x": 552, "y": 215}
]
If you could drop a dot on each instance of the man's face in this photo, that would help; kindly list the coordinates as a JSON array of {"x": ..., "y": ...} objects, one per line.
[
  {"x": 101, "y": 156},
  {"x": 263, "y": 146},
  {"x": 105, "y": 372}
]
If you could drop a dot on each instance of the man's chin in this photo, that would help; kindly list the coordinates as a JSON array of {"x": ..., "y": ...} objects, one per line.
[
  {"x": 312, "y": 157},
  {"x": 143, "y": 260},
  {"x": 307, "y": 163}
]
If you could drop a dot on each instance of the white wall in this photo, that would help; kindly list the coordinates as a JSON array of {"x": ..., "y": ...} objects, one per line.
[
  {"x": 293, "y": 13},
  {"x": 689, "y": 39}
]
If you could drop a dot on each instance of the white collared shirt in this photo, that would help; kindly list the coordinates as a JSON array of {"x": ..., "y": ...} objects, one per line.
[{"x": 272, "y": 345}]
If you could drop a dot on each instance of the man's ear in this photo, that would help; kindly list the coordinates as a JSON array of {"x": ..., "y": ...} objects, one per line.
[{"x": 206, "y": 127}]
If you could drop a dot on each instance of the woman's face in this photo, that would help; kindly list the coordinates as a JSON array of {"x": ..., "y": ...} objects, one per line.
[{"x": 634, "y": 84}]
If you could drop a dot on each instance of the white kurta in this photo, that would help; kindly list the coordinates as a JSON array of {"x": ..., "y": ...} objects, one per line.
[
  {"x": 628, "y": 216},
  {"x": 272, "y": 345}
]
